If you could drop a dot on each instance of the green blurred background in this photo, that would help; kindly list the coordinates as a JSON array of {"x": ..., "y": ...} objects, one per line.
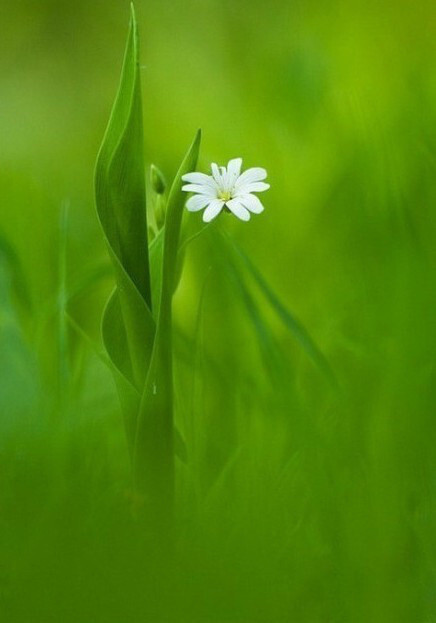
[{"x": 303, "y": 500}]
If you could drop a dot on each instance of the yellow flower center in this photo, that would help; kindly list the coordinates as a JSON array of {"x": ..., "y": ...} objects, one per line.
[{"x": 225, "y": 195}]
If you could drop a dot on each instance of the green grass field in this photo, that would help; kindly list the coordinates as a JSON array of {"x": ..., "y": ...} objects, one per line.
[{"x": 303, "y": 341}]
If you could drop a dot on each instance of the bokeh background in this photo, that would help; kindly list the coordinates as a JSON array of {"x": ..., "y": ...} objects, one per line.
[{"x": 308, "y": 496}]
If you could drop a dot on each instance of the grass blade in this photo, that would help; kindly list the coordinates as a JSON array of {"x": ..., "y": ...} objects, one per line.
[{"x": 289, "y": 320}]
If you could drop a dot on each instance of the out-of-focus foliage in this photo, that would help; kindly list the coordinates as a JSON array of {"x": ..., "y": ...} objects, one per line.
[{"x": 301, "y": 499}]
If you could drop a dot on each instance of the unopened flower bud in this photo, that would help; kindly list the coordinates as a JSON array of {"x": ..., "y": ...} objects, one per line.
[{"x": 158, "y": 182}]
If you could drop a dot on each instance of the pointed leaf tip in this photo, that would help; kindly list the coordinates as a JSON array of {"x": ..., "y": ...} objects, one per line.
[{"x": 133, "y": 23}]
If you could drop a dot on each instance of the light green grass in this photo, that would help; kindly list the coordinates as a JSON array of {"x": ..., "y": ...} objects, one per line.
[{"x": 303, "y": 341}]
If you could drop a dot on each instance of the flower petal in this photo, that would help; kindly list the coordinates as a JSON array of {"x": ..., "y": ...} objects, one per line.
[
  {"x": 199, "y": 188},
  {"x": 197, "y": 202},
  {"x": 252, "y": 203},
  {"x": 199, "y": 178},
  {"x": 238, "y": 209},
  {"x": 255, "y": 174},
  {"x": 234, "y": 166},
  {"x": 217, "y": 175},
  {"x": 233, "y": 171},
  {"x": 254, "y": 187},
  {"x": 212, "y": 210}
]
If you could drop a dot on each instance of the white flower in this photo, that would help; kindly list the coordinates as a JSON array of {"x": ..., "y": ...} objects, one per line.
[{"x": 226, "y": 187}]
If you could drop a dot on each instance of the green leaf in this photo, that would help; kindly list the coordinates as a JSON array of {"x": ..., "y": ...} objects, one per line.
[
  {"x": 115, "y": 336},
  {"x": 154, "y": 455},
  {"x": 120, "y": 201}
]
